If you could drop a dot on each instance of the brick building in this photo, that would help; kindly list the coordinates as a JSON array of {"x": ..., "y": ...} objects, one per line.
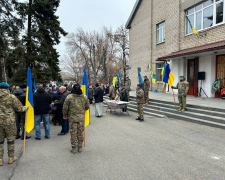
[{"x": 159, "y": 30}]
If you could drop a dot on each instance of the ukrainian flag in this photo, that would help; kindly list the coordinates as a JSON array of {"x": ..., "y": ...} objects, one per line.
[
  {"x": 163, "y": 69},
  {"x": 153, "y": 76},
  {"x": 84, "y": 89},
  {"x": 29, "y": 102},
  {"x": 168, "y": 77},
  {"x": 140, "y": 79},
  {"x": 114, "y": 81},
  {"x": 192, "y": 27}
]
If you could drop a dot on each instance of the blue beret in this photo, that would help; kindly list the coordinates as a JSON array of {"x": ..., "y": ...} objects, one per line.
[
  {"x": 5, "y": 85},
  {"x": 182, "y": 76},
  {"x": 145, "y": 76},
  {"x": 127, "y": 77}
]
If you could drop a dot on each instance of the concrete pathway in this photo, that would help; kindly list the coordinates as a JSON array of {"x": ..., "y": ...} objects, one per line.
[{"x": 124, "y": 149}]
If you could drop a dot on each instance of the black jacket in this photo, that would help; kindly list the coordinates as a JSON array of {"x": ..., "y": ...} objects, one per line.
[
  {"x": 98, "y": 95},
  {"x": 21, "y": 95},
  {"x": 60, "y": 103},
  {"x": 90, "y": 93},
  {"x": 42, "y": 101},
  {"x": 55, "y": 96},
  {"x": 123, "y": 96}
]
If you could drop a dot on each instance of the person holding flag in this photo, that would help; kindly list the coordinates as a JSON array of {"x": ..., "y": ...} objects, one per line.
[
  {"x": 9, "y": 104},
  {"x": 183, "y": 87}
]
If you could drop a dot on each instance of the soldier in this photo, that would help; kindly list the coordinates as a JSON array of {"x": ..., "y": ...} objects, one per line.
[
  {"x": 74, "y": 109},
  {"x": 146, "y": 89},
  {"x": 9, "y": 104},
  {"x": 140, "y": 103},
  {"x": 127, "y": 87},
  {"x": 183, "y": 87},
  {"x": 112, "y": 92}
]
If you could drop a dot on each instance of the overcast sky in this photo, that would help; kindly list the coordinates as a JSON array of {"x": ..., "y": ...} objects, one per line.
[{"x": 92, "y": 15}]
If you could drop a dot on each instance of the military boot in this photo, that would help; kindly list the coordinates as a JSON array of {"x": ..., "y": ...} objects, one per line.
[
  {"x": 138, "y": 119},
  {"x": 1, "y": 162},
  {"x": 80, "y": 148},
  {"x": 183, "y": 110},
  {"x": 180, "y": 109},
  {"x": 12, "y": 159},
  {"x": 73, "y": 150}
]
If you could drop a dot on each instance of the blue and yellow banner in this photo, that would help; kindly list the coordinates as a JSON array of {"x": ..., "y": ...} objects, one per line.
[
  {"x": 192, "y": 27},
  {"x": 216, "y": 85},
  {"x": 168, "y": 77},
  {"x": 29, "y": 102},
  {"x": 140, "y": 79},
  {"x": 153, "y": 76},
  {"x": 84, "y": 89}
]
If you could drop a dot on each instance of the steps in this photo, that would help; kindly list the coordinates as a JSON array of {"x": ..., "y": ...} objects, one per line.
[{"x": 214, "y": 117}]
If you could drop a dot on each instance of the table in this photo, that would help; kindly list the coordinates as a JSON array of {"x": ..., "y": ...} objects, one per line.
[{"x": 113, "y": 105}]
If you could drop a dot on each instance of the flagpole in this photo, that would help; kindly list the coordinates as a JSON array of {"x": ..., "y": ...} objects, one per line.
[
  {"x": 24, "y": 142},
  {"x": 174, "y": 100}
]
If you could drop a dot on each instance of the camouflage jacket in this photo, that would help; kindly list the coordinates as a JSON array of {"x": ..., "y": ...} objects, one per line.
[
  {"x": 127, "y": 84},
  {"x": 183, "y": 87},
  {"x": 140, "y": 96},
  {"x": 112, "y": 92},
  {"x": 75, "y": 106},
  {"x": 8, "y": 105},
  {"x": 146, "y": 85}
]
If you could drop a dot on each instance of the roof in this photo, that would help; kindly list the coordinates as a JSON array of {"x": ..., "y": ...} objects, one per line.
[
  {"x": 195, "y": 50},
  {"x": 136, "y": 6}
]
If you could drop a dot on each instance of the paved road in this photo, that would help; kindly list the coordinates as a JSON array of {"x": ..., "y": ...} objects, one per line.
[{"x": 125, "y": 149}]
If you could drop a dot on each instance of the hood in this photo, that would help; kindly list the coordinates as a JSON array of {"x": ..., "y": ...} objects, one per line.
[
  {"x": 19, "y": 91},
  {"x": 3, "y": 93},
  {"x": 41, "y": 90}
]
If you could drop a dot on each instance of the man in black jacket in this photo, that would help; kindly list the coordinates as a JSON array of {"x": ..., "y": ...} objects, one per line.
[
  {"x": 21, "y": 95},
  {"x": 42, "y": 101},
  {"x": 98, "y": 101},
  {"x": 59, "y": 104}
]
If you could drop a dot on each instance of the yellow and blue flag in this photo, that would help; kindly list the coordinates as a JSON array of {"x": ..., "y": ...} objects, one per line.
[
  {"x": 84, "y": 89},
  {"x": 114, "y": 81},
  {"x": 192, "y": 27},
  {"x": 153, "y": 76},
  {"x": 216, "y": 85},
  {"x": 140, "y": 79},
  {"x": 57, "y": 83},
  {"x": 29, "y": 102},
  {"x": 163, "y": 69},
  {"x": 168, "y": 77}
]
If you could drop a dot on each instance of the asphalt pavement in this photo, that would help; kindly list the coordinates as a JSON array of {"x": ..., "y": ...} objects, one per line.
[{"x": 121, "y": 148}]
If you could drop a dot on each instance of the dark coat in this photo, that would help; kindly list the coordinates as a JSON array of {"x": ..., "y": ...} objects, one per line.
[
  {"x": 42, "y": 101},
  {"x": 90, "y": 93},
  {"x": 61, "y": 101},
  {"x": 98, "y": 95},
  {"x": 21, "y": 95},
  {"x": 123, "y": 95},
  {"x": 55, "y": 96}
]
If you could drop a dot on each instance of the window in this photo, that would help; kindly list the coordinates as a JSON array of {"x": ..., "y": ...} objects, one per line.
[
  {"x": 159, "y": 67},
  {"x": 207, "y": 14},
  {"x": 160, "y": 32}
]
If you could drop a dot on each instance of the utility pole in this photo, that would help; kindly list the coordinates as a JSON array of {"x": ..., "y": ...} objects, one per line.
[{"x": 95, "y": 78}]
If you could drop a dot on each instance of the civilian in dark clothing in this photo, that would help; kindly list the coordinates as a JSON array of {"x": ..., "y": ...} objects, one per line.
[
  {"x": 21, "y": 95},
  {"x": 42, "y": 101},
  {"x": 107, "y": 89},
  {"x": 98, "y": 101},
  {"x": 55, "y": 97},
  {"x": 59, "y": 104},
  {"x": 90, "y": 94},
  {"x": 123, "y": 97},
  {"x": 47, "y": 90}
]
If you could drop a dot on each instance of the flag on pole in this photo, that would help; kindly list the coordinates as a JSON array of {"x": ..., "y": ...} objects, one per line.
[
  {"x": 163, "y": 69},
  {"x": 216, "y": 85},
  {"x": 192, "y": 27},
  {"x": 114, "y": 81},
  {"x": 119, "y": 76},
  {"x": 153, "y": 76},
  {"x": 168, "y": 77},
  {"x": 84, "y": 89},
  {"x": 34, "y": 86},
  {"x": 29, "y": 102},
  {"x": 57, "y": 83},
  {"x": 140, "y": 79}
]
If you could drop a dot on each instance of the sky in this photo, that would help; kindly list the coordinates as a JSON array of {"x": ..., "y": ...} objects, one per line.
[{"x": 92, "y": 15}]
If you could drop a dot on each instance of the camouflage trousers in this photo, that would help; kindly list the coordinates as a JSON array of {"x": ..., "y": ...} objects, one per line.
[
  {"x": 182, "y": 101},
  {"x": 76, "y": 132},
  {"x": 128, "y": 95},
  {"x": 8, "y": 132},
  {"x": 140, "y": 110},
  {"x": 146, "y": 96}
]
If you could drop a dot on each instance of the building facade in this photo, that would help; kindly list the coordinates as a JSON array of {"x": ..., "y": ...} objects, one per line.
[{"x": 159, "y": 30}]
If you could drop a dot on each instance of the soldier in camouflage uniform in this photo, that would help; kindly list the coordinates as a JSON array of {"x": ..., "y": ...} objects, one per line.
[
  {"x": 140, "y": 103},
  {"x": 183, "y": 87},
  {"x": 127, "y": 87},
  {"x": 146, "y": 89},
  {"x": 9, "y": 104},
  {"x": 74, "y": 109}
]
